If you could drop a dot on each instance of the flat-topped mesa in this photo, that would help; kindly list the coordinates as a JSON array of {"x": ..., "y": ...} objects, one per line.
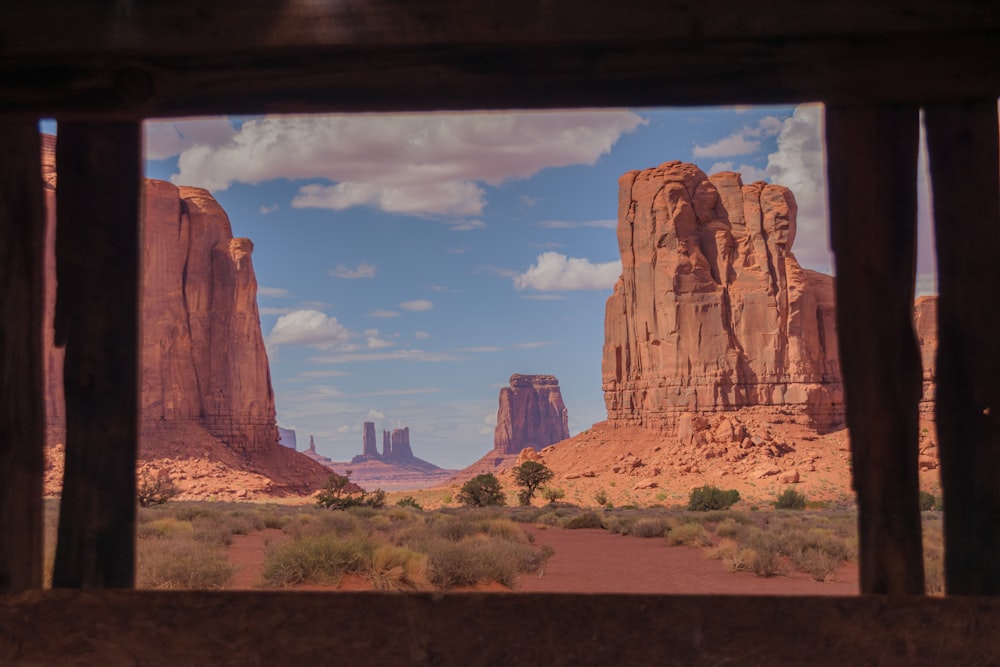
[
  {"x": 531, "y": 414},
  {"x": 712, "y": 312}
]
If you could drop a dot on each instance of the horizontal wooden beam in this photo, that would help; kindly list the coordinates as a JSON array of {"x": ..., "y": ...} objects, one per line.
[
  {"x": 455, "y": 55},
  {"x": 202, "y": 27},
  {"x": 178, "y": 628}
]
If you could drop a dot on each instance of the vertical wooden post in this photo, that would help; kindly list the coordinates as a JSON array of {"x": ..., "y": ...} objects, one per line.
[
  {"x": 22, "y": 375},
  {"x": 97, "y": 319},
  {"x": 962, "y": 142},
  {"x": 872, "y": 172}
]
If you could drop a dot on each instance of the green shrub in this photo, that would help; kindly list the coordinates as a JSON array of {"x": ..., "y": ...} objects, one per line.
[
  {"x": 707, "y": 498},
  {"x": 181, "y": 562},
  {"x": 322, "y": 559},
  {"x": 821, "y": 565},
  {"x": 482, "y": 491},
  {"x": 553, "y": 494},
  {"x": 584, "y": 520},
  {"x": 395, "y": 568},
  {"x": 689, "y": 535},
  {"x": 927, "y": 501},
  {"x": 481, "y": 560},
  {"x": 730, "y": 528},
  {"x": 649, "y": 527},
  {"x": 409, "y": 501},
  {"x": 790, "y": 499},
  {"x": 601, "y": 497}
]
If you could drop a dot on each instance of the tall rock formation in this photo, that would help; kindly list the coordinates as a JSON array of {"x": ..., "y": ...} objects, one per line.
[
  {"x": 712, "y": 311},
  {"x": 386, "y": 444},
  {"x": 401, "y": 444},
  {"x": 203, "y": 356},
  {"x": 531, "y": 414},
  {"x": 925, "y": 327},
  {"x": 368, "y": 445}
]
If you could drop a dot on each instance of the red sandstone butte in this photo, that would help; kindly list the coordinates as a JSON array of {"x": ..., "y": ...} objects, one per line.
[
  {"x": 203, "y": 357},
  {"x": 712, "y": 311},
  {"x": 531, "y": 414}
]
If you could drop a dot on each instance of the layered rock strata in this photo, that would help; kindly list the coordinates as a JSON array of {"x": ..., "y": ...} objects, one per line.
[
  {"x": 712, "y": 312},
  {"x": 531, "y": 414}
]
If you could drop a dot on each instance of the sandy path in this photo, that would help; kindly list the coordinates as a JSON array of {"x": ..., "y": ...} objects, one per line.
[{"x": 596, "y": 561}]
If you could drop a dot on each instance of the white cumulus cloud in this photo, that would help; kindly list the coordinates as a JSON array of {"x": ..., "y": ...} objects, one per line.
[
  {"x": 310, "y": 328},
  {"x": 743, "y": 141},
  {"x": 798, "y": 163},
  {"x": 554, "y": 272},
  {"x": 424, "y": 164},
  {"x": 167, "y": 138}
]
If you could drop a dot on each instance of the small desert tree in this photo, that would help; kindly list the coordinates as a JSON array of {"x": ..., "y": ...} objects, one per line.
[
  {"x": 154, "y": 487},
  {"x": 339, "y": 493},
  {"x": 530, "y": 475},
  {"x": 482, "y": 491}
]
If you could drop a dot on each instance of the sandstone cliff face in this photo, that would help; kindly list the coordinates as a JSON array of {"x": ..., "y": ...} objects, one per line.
[
  {"x": 712, "y": 311},
  {"x": 203, "y": 355},
  {"x": 203, "y": 351},
  {"x": 531, "y": 414}
]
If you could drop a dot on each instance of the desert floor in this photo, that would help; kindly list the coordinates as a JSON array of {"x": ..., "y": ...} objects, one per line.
[{"x": 596, "y": 561}]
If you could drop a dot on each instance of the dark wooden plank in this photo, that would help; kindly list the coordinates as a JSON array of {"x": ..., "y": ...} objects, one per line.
[
  {"x": 97, "y": 319},
  {"x": 872, "y": 177},
  {"x": 962, "y": 141},
  {"x": 254, "y": 628},
  {"x": 203, "y": 27},
  {"x": 382, "y": 77},
  {"x": 22, "y": 376}
]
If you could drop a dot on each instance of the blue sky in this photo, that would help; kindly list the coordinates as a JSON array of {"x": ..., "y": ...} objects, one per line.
[{"x": 409, "y": 264}]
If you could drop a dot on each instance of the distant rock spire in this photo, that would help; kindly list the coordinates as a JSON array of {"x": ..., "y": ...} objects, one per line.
[
  {"x": 312, "y": 445},
  {"x": 368, "y": 447}
]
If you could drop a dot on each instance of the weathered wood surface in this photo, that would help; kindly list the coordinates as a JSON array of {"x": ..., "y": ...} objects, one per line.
[
  {"x": 226, "y": 26},
  {"x": 963, "y": 151},
  {"x": 191, "y": 57},
  {"x": 872, "y": 176},
  {"x": 22, "y": 376},
  {"x": 187, "y": 628},
  {"x": 97, "y": 319}
]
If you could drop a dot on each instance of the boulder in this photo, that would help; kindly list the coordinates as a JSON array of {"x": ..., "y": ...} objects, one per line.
[{"x": 789, "y": 477}]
